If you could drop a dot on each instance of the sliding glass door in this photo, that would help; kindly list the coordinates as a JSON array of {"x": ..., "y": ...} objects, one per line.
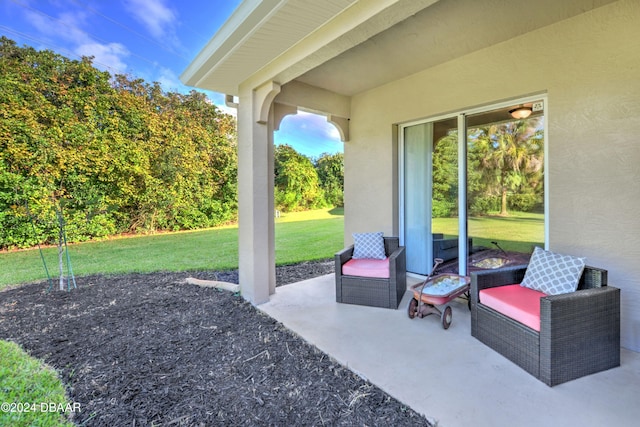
[
  {"x": 472, "y": 186},
  {"x": 505, "y": 182}
]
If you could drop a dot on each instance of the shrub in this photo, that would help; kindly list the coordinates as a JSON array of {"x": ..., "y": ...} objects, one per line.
[
  {"x": 522, "y": 202},
  {"x": 483, "y": 205}
]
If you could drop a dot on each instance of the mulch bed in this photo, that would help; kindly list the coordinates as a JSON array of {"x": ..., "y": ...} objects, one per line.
[{"x": 149, "y": 349}]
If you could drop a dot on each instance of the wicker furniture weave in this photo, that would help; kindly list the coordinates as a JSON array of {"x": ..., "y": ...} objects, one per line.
[
  {"x": 579, "y": 331},
  {"x": 369, "y": 291}
]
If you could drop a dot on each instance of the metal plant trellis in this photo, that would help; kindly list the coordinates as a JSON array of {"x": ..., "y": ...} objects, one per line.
[{"x": 63, "y": 252}]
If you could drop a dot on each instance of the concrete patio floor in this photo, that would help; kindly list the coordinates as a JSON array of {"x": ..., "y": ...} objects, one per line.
[{"x": 448, "y": 375}]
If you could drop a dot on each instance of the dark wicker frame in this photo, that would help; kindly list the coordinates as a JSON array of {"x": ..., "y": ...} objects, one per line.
[
  {"x": 369, "y": 291},
  {"x": 579, "y": 331}
]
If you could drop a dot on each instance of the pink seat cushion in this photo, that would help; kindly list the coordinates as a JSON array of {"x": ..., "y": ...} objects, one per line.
[
  {"x": 365, "y": 267},
  {"x": 515, "y": 301}
]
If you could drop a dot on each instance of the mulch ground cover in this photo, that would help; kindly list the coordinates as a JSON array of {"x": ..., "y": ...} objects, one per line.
[{"x": 149, "y": 349}]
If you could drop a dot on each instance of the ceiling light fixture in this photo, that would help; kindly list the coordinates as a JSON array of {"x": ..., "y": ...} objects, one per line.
[{"x": 521, "y": 112}]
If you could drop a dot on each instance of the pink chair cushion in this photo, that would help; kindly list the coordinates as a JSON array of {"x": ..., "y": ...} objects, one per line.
[
  {"x": 515, "y": 301},
  {"x": 366, "y": 267}
]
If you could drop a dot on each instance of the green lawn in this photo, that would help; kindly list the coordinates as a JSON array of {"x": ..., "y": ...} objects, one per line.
[
  {"x": 517, "y": 232},
  {"x": 25, "y": 380},
  {"x": 300, "y": 236}
]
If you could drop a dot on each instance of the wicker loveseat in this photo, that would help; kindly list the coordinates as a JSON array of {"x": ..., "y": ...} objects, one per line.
[
  {"x": 579, "y": 331},
  {"x": 370, "y": 291}
]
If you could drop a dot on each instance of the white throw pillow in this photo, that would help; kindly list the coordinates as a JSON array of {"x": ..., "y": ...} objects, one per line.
[
  {"x": 368, "y": 245},
  {"x": 553, "y": 273}
]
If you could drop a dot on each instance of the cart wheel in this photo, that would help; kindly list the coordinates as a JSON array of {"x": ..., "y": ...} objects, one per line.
[
  {"x": 413, "y": 308},
  {"x": 446, "y": 317}
]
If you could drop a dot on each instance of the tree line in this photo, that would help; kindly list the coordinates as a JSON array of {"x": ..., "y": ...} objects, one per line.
[
  {"x": 302, "y": 183},
  {"x": 505, "y": 169},
  {"x": 105, "y": 155}
]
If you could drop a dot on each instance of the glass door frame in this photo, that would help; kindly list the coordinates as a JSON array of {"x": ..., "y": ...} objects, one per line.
[{"x": 461, "y": 116}]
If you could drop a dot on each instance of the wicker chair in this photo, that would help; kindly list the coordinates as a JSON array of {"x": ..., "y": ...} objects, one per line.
[
  {"x": 369, "y": 291},
  {"x": 579, "y": 331}
]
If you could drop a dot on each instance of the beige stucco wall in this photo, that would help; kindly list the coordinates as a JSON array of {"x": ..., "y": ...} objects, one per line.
[{"x": 589, "y": 68}]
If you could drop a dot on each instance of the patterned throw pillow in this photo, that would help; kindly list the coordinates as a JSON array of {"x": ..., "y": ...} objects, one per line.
[
  {"x": 553, "y": 273},
  {"x": 368, "y": 245}
]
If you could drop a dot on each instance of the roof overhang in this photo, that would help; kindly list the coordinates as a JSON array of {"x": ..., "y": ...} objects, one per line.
[
  {"x": 349, "y": 46},
  {"x": 256, "y": 33},
  {"x": 282, "y": 39}
]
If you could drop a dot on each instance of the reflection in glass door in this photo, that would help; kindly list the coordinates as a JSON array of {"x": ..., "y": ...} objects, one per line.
[
  {"x": 505, "y": 184},
  {"x": 489, "y": 208}
]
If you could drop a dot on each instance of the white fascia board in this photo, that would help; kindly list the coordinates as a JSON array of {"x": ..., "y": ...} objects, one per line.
[{"x": 240, "y": 25}]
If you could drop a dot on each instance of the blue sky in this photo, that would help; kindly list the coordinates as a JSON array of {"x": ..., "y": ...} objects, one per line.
[{"x": 150, "y": 39}]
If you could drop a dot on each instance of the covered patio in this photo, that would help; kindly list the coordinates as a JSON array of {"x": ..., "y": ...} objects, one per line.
[
  {"x": 446, "y": 375},
  {"x": 379, "y": 68}
]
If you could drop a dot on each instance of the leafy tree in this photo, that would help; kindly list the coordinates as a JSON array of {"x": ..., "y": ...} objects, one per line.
[
  {"x": 330, "y": 169},
  {"x": 47, "y": 133},
  {"x": 504, "y": 159},
  {"x": 115, "y": 154},
  {"x": 297, "y": 186},
  {"x": 508, "y": 158},
  {"x": 445, "y": 176},
  {"x": 45, "y": 136}
]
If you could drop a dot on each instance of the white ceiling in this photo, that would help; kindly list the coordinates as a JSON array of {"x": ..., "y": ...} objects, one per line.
[
  {"x": 278, "y": 39},
  {"x": 441, "y": 32}
]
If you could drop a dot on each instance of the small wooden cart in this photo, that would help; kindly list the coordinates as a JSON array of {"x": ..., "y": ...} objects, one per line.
[{"x": 437, "y": 290}]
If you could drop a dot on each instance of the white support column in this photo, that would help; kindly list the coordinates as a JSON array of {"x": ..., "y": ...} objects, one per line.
[
  {"x": 463, "y": 242},
  {"x": 255, "y": 193},
  {"x": 271, "y": 200}
]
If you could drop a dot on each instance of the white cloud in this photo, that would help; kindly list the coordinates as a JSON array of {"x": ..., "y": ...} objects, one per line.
[
  {"x": 105, "y": 55},
  {"x": 158, "y": 19},
  {"x": 66, "y": 26},
  {"x": 333, "y": 132},
  {"x": 310, "y": 134},
  {"x": 170, "y": 81},
  {"x": 315, "y": 124}
]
